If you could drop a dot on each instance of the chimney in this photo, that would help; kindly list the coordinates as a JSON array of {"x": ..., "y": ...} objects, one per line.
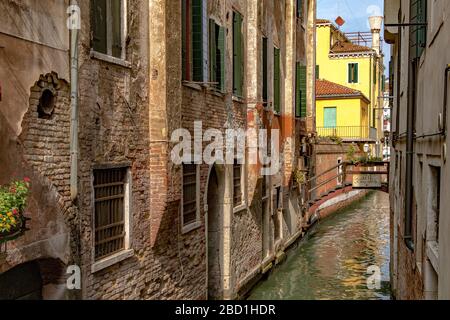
[{"x": 375, "y": 27}]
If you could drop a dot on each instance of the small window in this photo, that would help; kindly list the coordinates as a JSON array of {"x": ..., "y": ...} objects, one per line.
[
  {"x": 238, "y": 55},
  {"x": 237, "y": 184},
  {"x": 217, "y": 55},
  {"x": 193, "y": 30},
  {"x": 46, "y": 104},
  {"x": 111, "y": 193},
  {"x": 107, "y": 26},
  {"x": 299, "y": 8},
  {"x": 276, "y": 81},
  {"x": 352, "y": 73},
  {"x": 190, "y": 194}
]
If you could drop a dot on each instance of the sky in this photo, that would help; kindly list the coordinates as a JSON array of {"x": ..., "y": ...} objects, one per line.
[{"x": 356, "y": 14}]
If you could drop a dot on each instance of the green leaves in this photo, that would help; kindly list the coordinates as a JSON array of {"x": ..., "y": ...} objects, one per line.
[{"x": 13, "y": 199}]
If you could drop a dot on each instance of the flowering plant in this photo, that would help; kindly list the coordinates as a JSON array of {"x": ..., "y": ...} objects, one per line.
[{"x": 13, "y": 200}]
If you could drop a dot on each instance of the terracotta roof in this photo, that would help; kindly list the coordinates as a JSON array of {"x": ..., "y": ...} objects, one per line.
[
  {"x": 344, "y": 47},
  {"x": 322, "y": 21},
  {"x": 327, "y": 89}
]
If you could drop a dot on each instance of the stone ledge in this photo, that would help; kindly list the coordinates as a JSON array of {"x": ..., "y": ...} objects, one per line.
[{"x": 112, "y": 260}]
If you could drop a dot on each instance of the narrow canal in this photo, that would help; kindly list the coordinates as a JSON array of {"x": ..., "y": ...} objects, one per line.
[{"x": 332, "y": 261}]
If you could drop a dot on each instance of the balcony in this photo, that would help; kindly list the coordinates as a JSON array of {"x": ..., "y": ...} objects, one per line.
[{"x": 350, "y": 133}]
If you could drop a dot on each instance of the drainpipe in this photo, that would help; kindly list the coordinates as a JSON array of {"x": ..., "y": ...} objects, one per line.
[
  {"x": 447, "y": 70},
  {"x": 74, "y": 150}
]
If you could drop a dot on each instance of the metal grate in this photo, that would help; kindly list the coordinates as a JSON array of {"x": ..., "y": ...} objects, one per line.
[
  {"x": 109, "y": 189},
  {"x": 237, "y": 188},
  {"x": 189, "y": 193}
]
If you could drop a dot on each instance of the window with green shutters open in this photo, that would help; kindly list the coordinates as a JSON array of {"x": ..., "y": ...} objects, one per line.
[
  {"x": 418, "y": 34},
  {"x": 352, "y": 73},
  {"x": 265, "y": 78},
  {"x": 108, "y": 27},
  {"x": 300, "y": 92},
  {"x": 193, "y": 57},
  {"x": 238, "y": 55},
  {"x": 276, "y": 81},
  {"x": 217, "y": 55}
]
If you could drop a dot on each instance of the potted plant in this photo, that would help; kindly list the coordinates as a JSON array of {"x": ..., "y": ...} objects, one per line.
[
  {"x": 13, "y": 199},
  {"x": 300, "y": 177}
]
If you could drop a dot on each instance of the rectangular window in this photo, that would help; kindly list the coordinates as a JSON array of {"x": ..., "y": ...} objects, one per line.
[
  {"x": 111, "y": 194},
  {"x": 265, "y": 84},
  {"x": 329, "y": 117},
  {"x": 192, "y": 34},
  {"x": 107, "y": 25},
  {"x": 217, "y": 55},
  {"x": 190, "y": 194},
  {"x": 276, "y": 81},
  {"x": 375, "y": 74},
  {"x": 237, "y": 184},
  {"x": 299, "y": 8},
  {"x": 418, "y": 34},
  {"x": 238, "y": 55},
  {"x": 300, "y": 91},
  {"x": 352, "y": 73}
]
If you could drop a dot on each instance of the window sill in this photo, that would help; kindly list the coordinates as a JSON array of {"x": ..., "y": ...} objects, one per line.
[
  {"x": 104, "y": 57},
  {"x": 112, "y": 260},
  {"x": 240, "y": 208},
  {"x": 192, "y": 85},
  {"x": 191, "y": 227},
  {"x": 238, "y": 99}
]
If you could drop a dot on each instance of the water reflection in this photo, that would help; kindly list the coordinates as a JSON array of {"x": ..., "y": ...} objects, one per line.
[{"x": 332, "y": 263}]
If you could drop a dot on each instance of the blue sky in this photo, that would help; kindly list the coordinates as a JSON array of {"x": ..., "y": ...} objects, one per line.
[{"x": 355, "y": 14}]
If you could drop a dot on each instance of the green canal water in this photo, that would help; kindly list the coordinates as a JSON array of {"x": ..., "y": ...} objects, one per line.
[{"x": 332, "y": 261}]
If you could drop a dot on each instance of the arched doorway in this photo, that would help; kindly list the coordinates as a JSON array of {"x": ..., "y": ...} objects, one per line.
[
  {"x": 23, "y": 282},
  {"x": 214, "y": 237}
]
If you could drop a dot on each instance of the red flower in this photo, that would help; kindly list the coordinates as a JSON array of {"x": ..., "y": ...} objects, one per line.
[
  {"x": 15, "y": 212},
  {"x": 26, "y": 179}
]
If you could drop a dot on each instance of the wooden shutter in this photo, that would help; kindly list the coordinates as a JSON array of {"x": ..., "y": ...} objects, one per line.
[
  {"x": 317, "y": 72},
  {"x": 264, "y": 70},
  {"x": 98, "y": 28},
  {"x": 238, "y": 57},
  {"x": 189, "y": 193},
  {"x": 277, "y": 81},
  {"x": 116, "y": 17},
  {"x": 197, "y": 40},
  {"x": 302, "y": 84},
  {"x": 212, "y": 51},
  {"x": 298, "y": 91},
  {"x": 221, "y": 57},
  {"x": 185, "y": 48},
  {"x": 418, "y": 34},
  {"x": 237, "y": 187},
  {"x": 355, "y": 73},
  {"x": 299, "y": 8},
  {"x": 350, "y": 73}
]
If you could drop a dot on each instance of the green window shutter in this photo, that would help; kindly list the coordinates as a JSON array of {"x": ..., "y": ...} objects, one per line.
[
  {"x": 221, "y": 57},
  {"x": 185, "y": 46},
  {"x": 302, "y": 84},
  {"x": 298, "y": 91},
  {"x": 212, "y": 51},
  {"x": 98, "y": 28},
  {"x": 374, "y": 74},
  {"x": 238, "y": 57},
  {"x": 264, "y": 70},
  {"x": 197, "y": 40},
  {"x": 116, "y": 16},
  {"x": 418, "y": 34},
  {"x": 277, "y": 82},
  {"x": 317, "y": 72},
  {"x": 355, "y": 70},
  {"x": 350, "y": 73}
]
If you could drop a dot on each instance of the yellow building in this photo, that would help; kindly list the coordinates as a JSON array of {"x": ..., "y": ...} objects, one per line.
[
  {"x": 345, "y": 59},
  {"x": 342, "y": 112}
]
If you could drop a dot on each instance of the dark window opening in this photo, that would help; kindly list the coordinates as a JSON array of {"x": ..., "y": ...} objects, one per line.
[
  {"x": 46, "y": 104},
  {"x": 189, "y": 193},
  {"x": 237, "y": 184}
]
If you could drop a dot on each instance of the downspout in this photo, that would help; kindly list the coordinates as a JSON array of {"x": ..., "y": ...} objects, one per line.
[
  {"x": 74, "y": 150},
  {"x": 444, "y": 112}
]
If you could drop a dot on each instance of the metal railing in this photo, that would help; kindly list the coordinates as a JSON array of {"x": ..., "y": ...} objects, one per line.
[{"x": 349, "y": 132}]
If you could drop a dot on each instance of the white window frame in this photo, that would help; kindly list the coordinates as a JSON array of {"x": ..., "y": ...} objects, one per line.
[
  {"x": 124, "y": 28},
  {"x": 348, "y": 66},
  {"x": 127, "y": 252},
  {"x": 197, "y": 223}
]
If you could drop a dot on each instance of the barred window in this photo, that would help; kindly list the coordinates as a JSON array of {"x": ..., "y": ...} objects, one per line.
[
  {"x": 111, "y": 190},
  {"x": 237, "y": 184},
  {"x": 190, "y": 199}
]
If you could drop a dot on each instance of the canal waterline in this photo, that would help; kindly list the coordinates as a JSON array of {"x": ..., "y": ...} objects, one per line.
[{"x": 332, "y": 261}]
